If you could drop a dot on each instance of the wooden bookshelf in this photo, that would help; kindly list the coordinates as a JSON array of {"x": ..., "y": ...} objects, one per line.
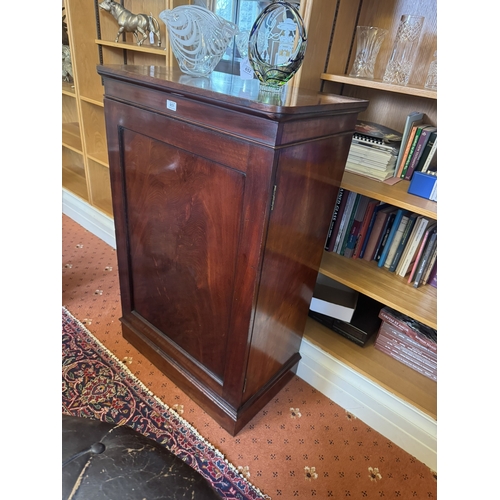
[
  {"x": 380, "y": 85},
  {"x": 395, "y": 195},
  {"x": 405, "y": 383},
  {"x": 382, "y": 285},
  {"x": 147, "y": 49},
  {"x": 389, "y": 105}
]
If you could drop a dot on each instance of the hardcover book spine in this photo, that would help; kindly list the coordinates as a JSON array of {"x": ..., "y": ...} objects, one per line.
[
  {"x": 334, "y": 218},
  {"x": 425, "y": 153},
  {"x": 384, "y": 315},
  {"x": 390, "y": 237},
  {"x": 429, "y": 159},
  {"x": 412, "y": 149},
  {"x": 396, "y": 241},
  {"x": 407, "y": 148},
  {"x": 426, "y": 256},
  {"x": 343, "y": 202},
  {"x": 404, "y": 240},
  {"x": 422, "y": 141},
  {"x": 344, "y": 219},
  {"x": 385, "y": 235},
  {"x": 347, "y": 232},
  {"x": 363, "y": 232}
]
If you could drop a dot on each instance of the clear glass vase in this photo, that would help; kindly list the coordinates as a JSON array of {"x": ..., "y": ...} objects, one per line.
[
  {"x": 368, "y": 42},
  {"x": 277, "y": 45},
  {"x": 431, "y": 81},
  {"x": 404, "y": 50},
  {"x": 198, "y": 37}
]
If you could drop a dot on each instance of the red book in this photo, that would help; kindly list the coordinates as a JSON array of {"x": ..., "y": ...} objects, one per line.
[
  {"x": 372, "y": 204},
  {"x": 377, "y": 232},
  {"x": 419, "y": 332}
]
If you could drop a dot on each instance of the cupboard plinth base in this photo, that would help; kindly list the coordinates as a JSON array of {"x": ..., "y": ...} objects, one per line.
[{"x": 229, "y": 418}]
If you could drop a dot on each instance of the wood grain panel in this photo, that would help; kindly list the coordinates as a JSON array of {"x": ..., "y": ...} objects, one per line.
[
  {"x": 100, "y": 186},
  {"x": 183, "y": 244},
  {"x": 69, "y": 109},
  {"x": 94, "y": 129},
  {"x": 85, "y": 55},
  {"x": 343, "y": 36},
  {"x": 73, "y": 173},
  {"x": 392, "y": 109},
  {"x": 307, "y": 183},
  {"x": 318, "y": 16}
]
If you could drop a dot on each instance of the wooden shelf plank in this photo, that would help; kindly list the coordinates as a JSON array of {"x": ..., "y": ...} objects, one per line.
[
  {"x": 92, "y": 101},
  {"x": 380, "y": 85},
  {"x": 71, "y": 136},
  {"x": 384, "y": 286},
  {"x": 395, "y": 195},
  {"x": 99, "y": 157},
  {"x": 132, "y": 46},
  {"x": 68, "y": 89},
  {"x": 73, "y": 179},
  {"x": 395, "y": 377}
]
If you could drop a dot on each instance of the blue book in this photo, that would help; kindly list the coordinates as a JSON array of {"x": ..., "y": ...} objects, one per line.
[
  {"x": 390, "y": 237},
  {"x": 403, "y": 242},
  {"x": 370, "y": 227},
  {"x": 389, "y": 222}
]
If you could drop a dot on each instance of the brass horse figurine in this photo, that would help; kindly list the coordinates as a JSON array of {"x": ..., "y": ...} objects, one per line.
[{"x": 134, "y": 23}]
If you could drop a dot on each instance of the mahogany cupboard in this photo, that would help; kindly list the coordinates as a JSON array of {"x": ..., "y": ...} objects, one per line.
[{"x": 221, "y": 199}]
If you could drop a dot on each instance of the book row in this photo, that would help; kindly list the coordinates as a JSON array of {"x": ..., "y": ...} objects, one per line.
[
  {"x": 381, "y": 153},
  {"x": 418, "y": 149},
  {"x": 398, "y": 240}
]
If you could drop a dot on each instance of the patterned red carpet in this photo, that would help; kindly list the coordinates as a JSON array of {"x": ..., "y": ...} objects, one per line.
[{"x": 301, "y": 445}]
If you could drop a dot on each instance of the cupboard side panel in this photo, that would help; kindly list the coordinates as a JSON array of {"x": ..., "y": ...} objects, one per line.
[{"x": 307, "y": 180}]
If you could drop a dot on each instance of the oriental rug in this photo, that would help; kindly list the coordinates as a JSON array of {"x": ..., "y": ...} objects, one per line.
[{"x": 96, "y": 385}]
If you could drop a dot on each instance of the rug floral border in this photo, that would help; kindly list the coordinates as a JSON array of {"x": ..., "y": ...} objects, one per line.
[{"x": 96, "y": 384}]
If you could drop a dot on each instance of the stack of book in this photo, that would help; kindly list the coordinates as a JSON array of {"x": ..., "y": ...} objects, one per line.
[
  {"x": 374, "y": 151},
  {"x": 418, "y": 151},
  {"x": 409, "y": 341},
  {"x": 398, "y": 240}
]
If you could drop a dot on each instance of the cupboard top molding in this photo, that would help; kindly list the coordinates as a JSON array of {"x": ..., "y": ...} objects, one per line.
[{"x": 233, "y": 92}]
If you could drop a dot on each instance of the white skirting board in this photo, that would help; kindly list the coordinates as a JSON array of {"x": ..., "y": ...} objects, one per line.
[
  {"x": 406, "y": 426},
  {"x": 89, "y": 217}
]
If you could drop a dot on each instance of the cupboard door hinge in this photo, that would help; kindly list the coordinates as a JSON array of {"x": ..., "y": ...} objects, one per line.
[
  {"x": 273, "y": 198},
  {"x": 245, "y": 385}
]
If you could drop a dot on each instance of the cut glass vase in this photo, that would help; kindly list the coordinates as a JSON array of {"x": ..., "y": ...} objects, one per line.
[
  {"x": 368, "y": 42},
  {"x": 198, "y": 37},
  {"x": 404, "y": 50}
]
